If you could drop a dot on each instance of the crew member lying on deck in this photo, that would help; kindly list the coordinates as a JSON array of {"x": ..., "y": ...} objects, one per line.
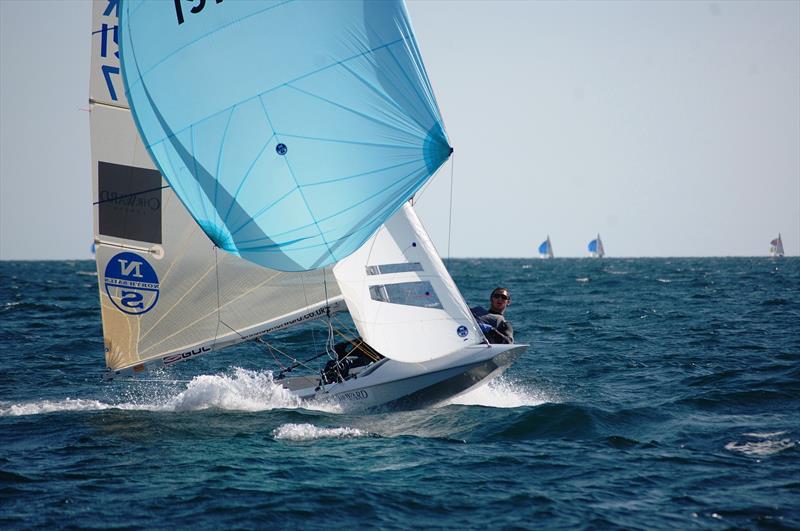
[{"x": 349, "y": 355}]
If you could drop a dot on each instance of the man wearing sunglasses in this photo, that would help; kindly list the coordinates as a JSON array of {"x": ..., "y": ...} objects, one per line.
[{"x": 492, "y": 322}]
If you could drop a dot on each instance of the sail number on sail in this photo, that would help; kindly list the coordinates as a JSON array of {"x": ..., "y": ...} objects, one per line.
[
  {"x": 195, "y": 9},
  {"x": 105, "y": 48}
]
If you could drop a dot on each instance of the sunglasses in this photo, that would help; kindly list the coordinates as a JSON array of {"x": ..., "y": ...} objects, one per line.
[{"x": 500, "y": 296}]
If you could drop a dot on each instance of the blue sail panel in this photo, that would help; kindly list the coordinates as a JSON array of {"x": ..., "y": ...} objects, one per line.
[
  {"x": 543, "y": 247},
  {"x": 593, "y": 246},
  {"x": 290, "y": 130}
]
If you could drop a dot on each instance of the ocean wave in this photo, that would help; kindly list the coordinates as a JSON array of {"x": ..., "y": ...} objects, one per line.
[
  {"x": 502, "y": 393},
  {"x": 309, "y": 432},
  {"x": 763, "y": 445},
  {"x": 545, "y": 421},
  {"x": 43, "y": 407},
  {"x": 243, "y": 390},
  {"x": 21, "y": 307}
]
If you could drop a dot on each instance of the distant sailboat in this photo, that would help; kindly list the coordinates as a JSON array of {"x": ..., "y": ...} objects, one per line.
[
  {"x": 596, "y": 248},
  {"x": 776, "y": 246},
  {"x": 546, "y": 248}
]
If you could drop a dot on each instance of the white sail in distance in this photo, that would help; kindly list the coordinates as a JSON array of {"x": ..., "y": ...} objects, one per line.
[{"x": 776, "y": 246}]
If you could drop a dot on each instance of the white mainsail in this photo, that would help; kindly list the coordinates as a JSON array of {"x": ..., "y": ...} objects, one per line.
[
  {"x": 398, "y": 290},
  {"x": 167, "y": 293}
]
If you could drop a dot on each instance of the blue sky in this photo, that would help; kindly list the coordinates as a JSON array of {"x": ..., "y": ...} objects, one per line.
[{"x": 671, "y": 128}]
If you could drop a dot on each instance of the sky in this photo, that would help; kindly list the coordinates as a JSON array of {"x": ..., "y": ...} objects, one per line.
[{"x": 671, "y": 128}]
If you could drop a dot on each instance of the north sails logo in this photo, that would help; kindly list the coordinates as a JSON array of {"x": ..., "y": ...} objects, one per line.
[{"x": 131, "y": 283}]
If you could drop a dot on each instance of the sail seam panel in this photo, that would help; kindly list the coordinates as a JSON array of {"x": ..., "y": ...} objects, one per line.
[
  {"x": 362, "y": 174},
  {"x": 219, "y": 159},
  {"x": 294, "y": 177},
  {"x": 167, "y": 313},
  {"x": 425, "y": 101},
  {"x": 246, "y": 176},
  {"x": 201, "y": 37},
  {"x": 382, "y": 94},
  {"x": 350, "y": 142},
  {"x": 140, "y": 81},
  {"x": 327, "y": 218},
  {"x": 354, "y": 111}
]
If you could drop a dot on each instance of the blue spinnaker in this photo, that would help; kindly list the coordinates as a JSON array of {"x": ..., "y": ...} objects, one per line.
[
  {"x": 593, "y": 246},
  {"x": 543, "y": 247},
  {"x": 291, "y": 130}
]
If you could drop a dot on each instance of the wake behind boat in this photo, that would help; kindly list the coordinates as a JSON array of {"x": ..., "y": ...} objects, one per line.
[{"x": 276, "y": 193}]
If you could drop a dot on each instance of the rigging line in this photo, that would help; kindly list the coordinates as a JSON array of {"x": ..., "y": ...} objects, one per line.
[
  {"x": 357, "y": 341},
  {"x": 343, "y": 326},
  {"x": 216, "y": 270},
  {"x": 305, "y": 297},
  {"x": 295, "y": 361},
  {"x": 131, "y": 194},
  {"x": 329, "y": 341},
  {"x": 450, "y": 220},
  {"x": 272, "y": 353},
  {"x": 424, "y": 188},
  {"x": 269, "y": 347}
]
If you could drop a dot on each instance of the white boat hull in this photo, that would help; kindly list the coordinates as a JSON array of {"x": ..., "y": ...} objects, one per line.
[{"x": 395, "y": 385}]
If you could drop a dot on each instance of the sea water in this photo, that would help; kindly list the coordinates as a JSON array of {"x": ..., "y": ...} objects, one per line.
[{"x": 656, "y": 394}]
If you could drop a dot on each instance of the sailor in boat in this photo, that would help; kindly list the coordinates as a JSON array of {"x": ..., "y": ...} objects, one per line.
[
  {"x": 351, "y": 357},
  {"x": 492, "y": 321}
]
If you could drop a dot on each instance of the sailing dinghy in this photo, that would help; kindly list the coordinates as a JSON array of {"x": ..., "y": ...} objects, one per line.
[
  {"x": 252, "y": 166},
  {"x": 546, "y": 248},
  {"x": 776, "y": 246},
  {"x": 596, "y": 249}
]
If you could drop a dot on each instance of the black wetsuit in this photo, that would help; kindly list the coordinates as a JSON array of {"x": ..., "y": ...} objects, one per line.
[{"x": 500, "y": 331}]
